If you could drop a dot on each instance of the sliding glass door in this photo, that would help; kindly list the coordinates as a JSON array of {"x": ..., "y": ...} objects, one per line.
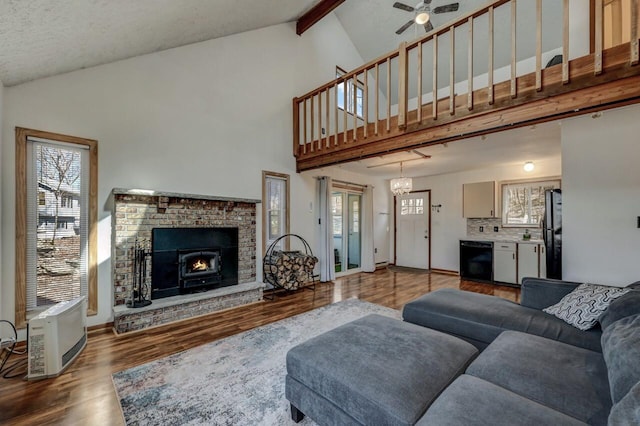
[{"x": 346, "y": 208}]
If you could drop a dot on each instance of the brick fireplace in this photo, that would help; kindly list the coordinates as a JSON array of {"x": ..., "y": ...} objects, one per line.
[{"x": 136, "y": 213}]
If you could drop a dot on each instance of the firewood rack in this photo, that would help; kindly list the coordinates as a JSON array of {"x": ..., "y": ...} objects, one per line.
[{"x": 289, "y": 270}]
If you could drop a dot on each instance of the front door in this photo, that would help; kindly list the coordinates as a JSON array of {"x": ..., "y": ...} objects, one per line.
[{"x": 412, "y": 230}]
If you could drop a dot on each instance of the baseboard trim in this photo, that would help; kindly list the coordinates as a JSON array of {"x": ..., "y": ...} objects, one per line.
[
  {"x": 445, "y": 271},
  {"x": 100, "y": 327}
]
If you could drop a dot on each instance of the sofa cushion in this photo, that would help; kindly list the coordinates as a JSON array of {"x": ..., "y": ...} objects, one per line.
[
  {"x": 566, "y": 378},
  {"x": 483, "y": 318},
  {"x": 624, "y": 306},
  {"x": 621, "y": 351},
  {"x": 583, "y": 306},
  {"x": 471, "y": 401},
  {"x": 379, "y": 370},
  {"x": 539, "y": 293},
  {"x": 627, "y": 411}
]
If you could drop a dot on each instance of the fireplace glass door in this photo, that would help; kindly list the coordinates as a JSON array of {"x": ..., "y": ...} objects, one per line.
[{"x": 347, "y": 221}]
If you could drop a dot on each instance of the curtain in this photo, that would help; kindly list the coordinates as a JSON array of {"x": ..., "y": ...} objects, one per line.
[
  {"x": 368, "y": 259},
  {"x": 325, "y": 230}
]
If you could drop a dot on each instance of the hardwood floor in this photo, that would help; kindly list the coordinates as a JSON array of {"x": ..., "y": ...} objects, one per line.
[{"x": 84, "y": 394}]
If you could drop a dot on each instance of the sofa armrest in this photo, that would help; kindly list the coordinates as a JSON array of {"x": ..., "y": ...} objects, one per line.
[{"x": 540, "y": 293}]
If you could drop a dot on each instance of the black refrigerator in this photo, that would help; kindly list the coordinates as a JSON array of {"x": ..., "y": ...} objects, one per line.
[{"x": 552, "y": 232}]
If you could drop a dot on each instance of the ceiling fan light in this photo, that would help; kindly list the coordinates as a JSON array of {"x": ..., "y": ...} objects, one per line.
[
  {"x": 528, "y": 166},
  {"x": 422, "y": 18}
]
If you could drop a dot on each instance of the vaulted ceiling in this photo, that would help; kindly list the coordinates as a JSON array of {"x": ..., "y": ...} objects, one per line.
[{"x": 41, "y": 38}]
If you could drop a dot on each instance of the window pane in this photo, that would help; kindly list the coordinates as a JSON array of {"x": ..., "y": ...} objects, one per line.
[
  {"x": 58, "y": 217},
  {"x": 523, "y": 203}
]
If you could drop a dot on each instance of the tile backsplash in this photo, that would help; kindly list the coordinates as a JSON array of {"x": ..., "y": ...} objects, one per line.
[{"x": 488, "y": 224}]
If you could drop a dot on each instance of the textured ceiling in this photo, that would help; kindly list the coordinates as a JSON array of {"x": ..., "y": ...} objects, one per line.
[{"x": 40, "y": 38}]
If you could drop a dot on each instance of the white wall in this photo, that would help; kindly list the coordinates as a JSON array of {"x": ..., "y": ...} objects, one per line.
[
  {"x": 1, "y": 215},
  {"x": 205, "y": 119},
  {"x": 601, "y": 197},
  {"x": 448, "y": 226}
]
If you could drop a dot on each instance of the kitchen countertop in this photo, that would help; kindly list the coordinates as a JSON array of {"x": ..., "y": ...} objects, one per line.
[{"x": 504, "y": 240}]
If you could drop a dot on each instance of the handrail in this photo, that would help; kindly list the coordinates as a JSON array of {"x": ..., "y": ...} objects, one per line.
[{"x": 348, "y": 110}]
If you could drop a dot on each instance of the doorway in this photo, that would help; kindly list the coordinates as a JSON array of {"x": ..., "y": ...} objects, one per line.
[
  {"x": 346, "y": 210},
  {"x": 412, "y": 239}
]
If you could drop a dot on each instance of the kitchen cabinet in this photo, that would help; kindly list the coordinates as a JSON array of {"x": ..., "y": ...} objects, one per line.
[
  {"x": 531, "y": 261},
  {"x": 504, "y": 262},
  {"x": 479, "y": 199}
]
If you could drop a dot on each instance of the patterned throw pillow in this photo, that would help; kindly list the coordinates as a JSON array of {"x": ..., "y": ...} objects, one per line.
[{"x": 583, "y": 306}]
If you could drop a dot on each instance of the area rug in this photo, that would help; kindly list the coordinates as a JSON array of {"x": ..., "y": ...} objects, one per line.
[{"x": 238, "y": 380}]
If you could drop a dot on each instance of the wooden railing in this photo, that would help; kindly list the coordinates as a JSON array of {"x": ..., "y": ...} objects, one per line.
[{"x": 369, "y": 110}]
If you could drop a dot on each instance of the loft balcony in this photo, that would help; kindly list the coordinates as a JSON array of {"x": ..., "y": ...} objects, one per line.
[{"x": 506, "y": 65}]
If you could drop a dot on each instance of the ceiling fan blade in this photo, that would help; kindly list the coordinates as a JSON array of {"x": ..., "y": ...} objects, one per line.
[
  {"x": 404, "y": 27},
  {"x": 428, "y": 27},
  {"x": 446, "y": 8},
  {"x": 403, "y": 6}
]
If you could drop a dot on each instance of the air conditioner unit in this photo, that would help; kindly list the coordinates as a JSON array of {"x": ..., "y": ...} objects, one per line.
[{"x": 56, "y": 337}]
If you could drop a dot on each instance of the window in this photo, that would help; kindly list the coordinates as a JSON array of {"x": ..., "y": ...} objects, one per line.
[
  {"x": 411, "y": 206},
  {"x": 56, "y": 249},
  {"x": 275, "y": 202},
  {"x": 352, "y": 98},
  {"x": 336, "y": 213},
  {"x": 523, "y": 202}
]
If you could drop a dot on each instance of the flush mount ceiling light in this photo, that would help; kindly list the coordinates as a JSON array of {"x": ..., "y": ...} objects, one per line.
[
  {"x": 528, "y": 166},
  {"x": 401, "y": 185}
]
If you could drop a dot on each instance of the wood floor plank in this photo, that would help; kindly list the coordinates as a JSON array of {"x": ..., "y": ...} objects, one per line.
[{"x": 85, "y": 395}]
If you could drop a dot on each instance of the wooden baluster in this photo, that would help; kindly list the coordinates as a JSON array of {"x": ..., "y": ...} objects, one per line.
[
  {"x": 514, "y": 92},
  {"x": 365, "y": 102},
  {"x": 403, "y": 76},
  {"x": 419, "y": 82},
  {"x": 490, "y": 90},
  {"x": 565, "y": 42},
  {"x": 434, "y": 109},
  {"x": 320, "y": 130},
  {"x": 538, "y": 45},
  {"x": 452, "y": 77},
  {"x": 354, "y": 88},
  {"x": 344, "y": 109},
  {"x": 377, "y": 98},
  {"x": 634, "y": 33},
  {"x": 388, "y": 94},
  {"x": 296, "y": 127},
  {"x": 312, "y": 124},
  {"x": 470, "y": 68},
  {"x": 328, "y": 125},
  {"x": 597, "y": 58},
  {"x": 304, "y": 117},
  {"x": 337, "y": 129}
]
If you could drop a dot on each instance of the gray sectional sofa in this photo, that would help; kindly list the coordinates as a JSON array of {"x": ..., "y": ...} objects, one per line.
[{"x": 462, "y": 358}]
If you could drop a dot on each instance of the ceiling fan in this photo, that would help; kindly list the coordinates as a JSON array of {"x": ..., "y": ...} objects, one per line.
[{"x": 423, "y": 13}]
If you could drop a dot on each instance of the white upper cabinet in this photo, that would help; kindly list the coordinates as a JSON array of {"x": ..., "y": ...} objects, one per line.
[{"x": 479, "y": 199}]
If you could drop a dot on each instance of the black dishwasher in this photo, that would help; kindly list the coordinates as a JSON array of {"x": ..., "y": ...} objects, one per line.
[{"x": 476, "y": 260}]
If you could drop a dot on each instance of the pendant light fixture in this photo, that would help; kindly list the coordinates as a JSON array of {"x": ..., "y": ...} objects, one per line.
[{"x": 401, "y": 185}]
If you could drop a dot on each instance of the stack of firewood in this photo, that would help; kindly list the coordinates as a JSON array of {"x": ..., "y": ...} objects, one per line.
[{"x": 289, "y": 269}]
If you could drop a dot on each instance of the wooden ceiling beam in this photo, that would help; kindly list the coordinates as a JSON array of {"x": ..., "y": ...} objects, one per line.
[{"x": 315, "y": 14}]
